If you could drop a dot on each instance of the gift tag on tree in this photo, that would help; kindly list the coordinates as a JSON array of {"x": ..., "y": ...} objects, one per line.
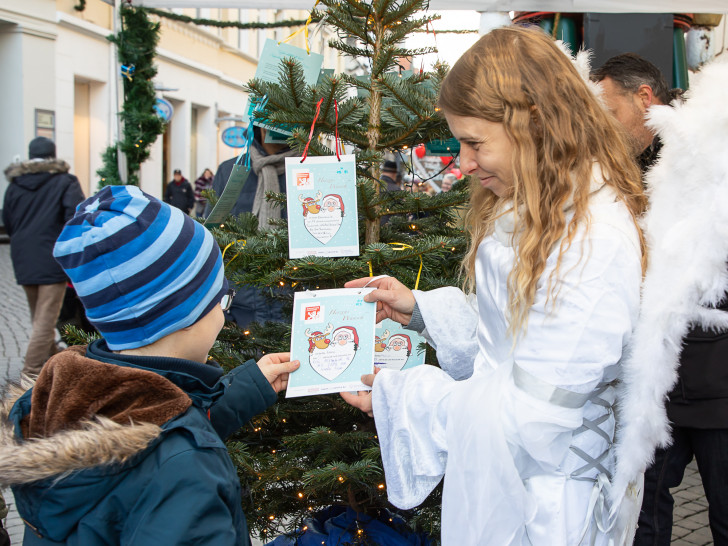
[
  {"x": 269, "y": 64},
  {"x": 322, "y": 207},
  {"x": 332, "y": 335},
  {"x": 396, "y": 348},
  {"x": 226, "y": 202}
]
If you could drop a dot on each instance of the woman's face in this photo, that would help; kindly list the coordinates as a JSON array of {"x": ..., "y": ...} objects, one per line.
[{"x": 486, "y": 152}]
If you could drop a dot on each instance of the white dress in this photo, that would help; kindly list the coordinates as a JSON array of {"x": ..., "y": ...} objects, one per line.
[{"x": 522, "y": 434}]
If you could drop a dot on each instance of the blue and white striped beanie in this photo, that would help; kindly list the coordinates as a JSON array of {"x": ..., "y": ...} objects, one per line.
[{"x": 142, "y": 268}]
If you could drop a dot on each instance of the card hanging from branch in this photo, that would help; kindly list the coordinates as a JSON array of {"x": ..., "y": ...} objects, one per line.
[{"x": 322, "y": 201}]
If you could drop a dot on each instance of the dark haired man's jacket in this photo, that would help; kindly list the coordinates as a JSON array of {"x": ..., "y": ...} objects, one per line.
[
  {"x": 700, "y": 398},
  {"x": 41, "y": 198}
]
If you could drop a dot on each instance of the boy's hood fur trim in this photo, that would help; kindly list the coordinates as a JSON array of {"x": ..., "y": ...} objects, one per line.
[
  {"x": 98, "y": 442},
  {"x": 93, "y": 414}
]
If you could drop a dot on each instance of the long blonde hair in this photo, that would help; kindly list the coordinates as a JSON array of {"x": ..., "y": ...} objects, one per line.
[{"x": 520, "y": 78}]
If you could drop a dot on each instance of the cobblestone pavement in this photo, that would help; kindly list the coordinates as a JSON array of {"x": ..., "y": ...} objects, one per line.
[{"x": 691, "y": 508}]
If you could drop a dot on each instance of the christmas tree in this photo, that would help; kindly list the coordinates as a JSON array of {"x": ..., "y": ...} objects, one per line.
[{"x": 310, "y": 453}]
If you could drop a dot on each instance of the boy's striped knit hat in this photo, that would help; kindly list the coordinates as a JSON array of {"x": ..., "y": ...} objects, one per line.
[{"x": 142, "y": 268}]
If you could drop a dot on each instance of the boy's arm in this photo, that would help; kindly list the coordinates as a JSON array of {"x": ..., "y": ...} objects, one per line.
[{"x": 248, "y": 393}]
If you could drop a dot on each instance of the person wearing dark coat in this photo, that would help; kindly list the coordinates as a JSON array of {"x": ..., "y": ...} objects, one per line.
[
  {"x": 179, "y": 193},
  {"x": 390, "y": 176},
  {"x": 41, "y": 197},
  {"x": 267, "y": 173},
  {"x": 122, "y": 441},
  {"x": 697, "y": 407}
]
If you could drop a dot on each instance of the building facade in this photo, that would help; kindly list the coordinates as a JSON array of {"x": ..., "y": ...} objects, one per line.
[{"x": 60, "y": 79}]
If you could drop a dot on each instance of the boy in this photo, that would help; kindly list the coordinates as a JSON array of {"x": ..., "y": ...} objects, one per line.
[{"x": 121, "y": 442}]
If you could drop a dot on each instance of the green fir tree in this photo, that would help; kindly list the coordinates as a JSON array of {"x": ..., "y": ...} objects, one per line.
[
  {"x": 136, "y": 47},
  {"x": 306, "y": 454}
]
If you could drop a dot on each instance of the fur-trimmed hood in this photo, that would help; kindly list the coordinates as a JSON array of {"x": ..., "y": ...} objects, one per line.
[
  {"x": 36, "y": 166},
  {"x": 81, "y": 414},
  {"x": 686, "y": 228}
]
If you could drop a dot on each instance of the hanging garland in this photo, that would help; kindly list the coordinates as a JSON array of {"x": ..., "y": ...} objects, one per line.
[
  {"x": 224, "y": 24},
  {"x": 136, "y": 43}
]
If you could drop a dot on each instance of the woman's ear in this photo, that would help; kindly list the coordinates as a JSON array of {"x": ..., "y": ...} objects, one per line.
[
  {"x": 536, "y": 118},
  {"x": 536, "y": 124}
]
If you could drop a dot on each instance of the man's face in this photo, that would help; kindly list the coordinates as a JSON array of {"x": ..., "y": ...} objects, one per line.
[
  {"x": 177, "y": 177},
  {"x": 630, "y": 111}
]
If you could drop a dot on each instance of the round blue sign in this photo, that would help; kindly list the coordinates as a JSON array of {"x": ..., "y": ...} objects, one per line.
[
  {"x": 235, "y": 137},
  {"x": 164, "y": 109}
]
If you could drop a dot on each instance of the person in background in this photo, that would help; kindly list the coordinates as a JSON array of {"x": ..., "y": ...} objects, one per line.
[
  {"x": 179, "y": 193},
  {"x": 204, "y": 182},
  {"x": 41, "y": 197},
  {"x": 630, "y": 86},
  {"x": 447, "y": 181},
  {"x": 697, "y": 406},
  {"x": 391, "y": 176},
  {"x": 122, "y": 441},
  {"x": 268, "y": 173}
]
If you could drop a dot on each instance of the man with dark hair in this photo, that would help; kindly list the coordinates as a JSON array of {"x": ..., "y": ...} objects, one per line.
[
  {"x": 697, "y": 407},
  {"x": 631, "y": 85},
  {"x": 41, "y": 197}
]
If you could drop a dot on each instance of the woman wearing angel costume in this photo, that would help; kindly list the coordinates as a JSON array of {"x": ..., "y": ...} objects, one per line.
[{"x": 520, "y": 419}]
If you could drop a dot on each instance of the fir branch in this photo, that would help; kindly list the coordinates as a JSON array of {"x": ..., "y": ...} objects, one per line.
[{"x": 401, "y": 11}]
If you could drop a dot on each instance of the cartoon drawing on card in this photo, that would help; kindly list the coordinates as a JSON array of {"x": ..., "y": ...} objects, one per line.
[
  {"x": 332, "y": 335},
  {"x": 396, "y": 348},
  {"x": 321, "y": 199},
  {"x": 330, "y": 356},
  {"x": 322, "y": 221}
]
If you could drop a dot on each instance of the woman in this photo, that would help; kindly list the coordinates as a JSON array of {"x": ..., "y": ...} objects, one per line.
[
  {"x": 204, "y": 182},
  {"x": 520, "y": 418}
]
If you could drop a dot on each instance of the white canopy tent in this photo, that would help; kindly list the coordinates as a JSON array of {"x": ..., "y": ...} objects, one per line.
[{"x": 564, "y": 6}]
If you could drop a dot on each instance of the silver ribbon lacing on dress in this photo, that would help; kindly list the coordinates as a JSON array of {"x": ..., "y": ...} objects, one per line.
[{"x": 598, "y": 509}]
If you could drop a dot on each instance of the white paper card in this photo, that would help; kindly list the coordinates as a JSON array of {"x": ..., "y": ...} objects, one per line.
[
  {"x": 396, "y": 348},
  {"x": 322, "y": 206},
  {"x": 332, "y": 335}
]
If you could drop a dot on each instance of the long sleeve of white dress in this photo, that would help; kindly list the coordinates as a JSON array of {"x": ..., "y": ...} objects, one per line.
[{"x": 507, "y": 439}]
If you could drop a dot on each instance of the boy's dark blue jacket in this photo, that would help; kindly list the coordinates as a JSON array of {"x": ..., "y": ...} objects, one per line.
[{"x": 151, "y": 470}]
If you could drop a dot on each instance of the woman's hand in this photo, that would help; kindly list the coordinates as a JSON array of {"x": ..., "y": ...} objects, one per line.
[
  {"x": 394, "y": 300},
  {"x": 362, "y": 399},
  {"x": 276, "y": 367}
]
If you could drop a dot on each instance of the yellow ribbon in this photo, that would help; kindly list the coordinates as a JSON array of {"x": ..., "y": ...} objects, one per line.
[
  {"x": 304, "y": 30},
  {"x": 228, "y": 246},
  {"x": 402, "y": 246}
]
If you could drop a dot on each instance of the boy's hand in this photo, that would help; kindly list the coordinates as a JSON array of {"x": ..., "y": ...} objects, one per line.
[{"x": 276, "y": 367}]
